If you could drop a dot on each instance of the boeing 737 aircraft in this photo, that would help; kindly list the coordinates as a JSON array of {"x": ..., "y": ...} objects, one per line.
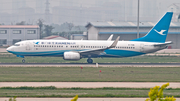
[{"x": 153, "y": 41}]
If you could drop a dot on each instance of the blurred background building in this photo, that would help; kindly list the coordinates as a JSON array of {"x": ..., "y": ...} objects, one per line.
[{"x": 97, "y": 18}]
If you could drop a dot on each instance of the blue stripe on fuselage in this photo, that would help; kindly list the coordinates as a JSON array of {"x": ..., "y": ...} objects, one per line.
[
  {"x": 108, "y": 53},
  {"x": 122, "y": 53}
]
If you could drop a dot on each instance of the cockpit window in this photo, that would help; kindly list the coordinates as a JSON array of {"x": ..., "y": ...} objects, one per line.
[{"x": 16, "y": 44}]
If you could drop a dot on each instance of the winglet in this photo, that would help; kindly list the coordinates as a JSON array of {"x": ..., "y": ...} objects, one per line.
[
  {"x": 110, "y": 38},
  {"x": 114, "y": 43}
]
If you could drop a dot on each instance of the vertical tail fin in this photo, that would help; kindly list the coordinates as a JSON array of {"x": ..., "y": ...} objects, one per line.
[{"x": 159, "y": 32}]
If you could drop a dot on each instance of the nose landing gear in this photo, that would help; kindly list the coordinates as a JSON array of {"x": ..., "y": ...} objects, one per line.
[
  {"x": 23, "y": 60},
  {"x": 89, "y": 60}
]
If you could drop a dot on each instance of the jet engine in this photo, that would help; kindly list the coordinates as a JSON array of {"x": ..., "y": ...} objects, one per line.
[{"x": 71, "y": 56}]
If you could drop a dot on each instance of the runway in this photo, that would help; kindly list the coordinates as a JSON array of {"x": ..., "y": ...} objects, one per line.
[
  {"x": 90, "y": 84},
  {"x": 91, "y": 65},
  {"x": 80, "y": 99}
]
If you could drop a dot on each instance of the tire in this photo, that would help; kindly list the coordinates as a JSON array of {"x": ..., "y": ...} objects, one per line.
[
  {"x": 23, "y": 60},
  {"x": 90, "y": 61}
]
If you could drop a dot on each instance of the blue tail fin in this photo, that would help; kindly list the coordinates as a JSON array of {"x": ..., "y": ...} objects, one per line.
[{"x": 159, "y": 32}]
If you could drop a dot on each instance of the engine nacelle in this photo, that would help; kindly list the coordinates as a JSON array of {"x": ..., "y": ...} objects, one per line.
[{"x": 71, "y": 56}]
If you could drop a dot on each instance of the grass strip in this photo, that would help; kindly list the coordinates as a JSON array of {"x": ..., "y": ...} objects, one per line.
[
  {"x": 89, "y": 74},
  {"x": 10, "y": 58},
  {"x": 82, "y": 92}
]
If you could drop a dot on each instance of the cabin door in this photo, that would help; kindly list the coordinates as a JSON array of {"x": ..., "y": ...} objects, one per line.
[
  {"x": 28, "y": 47},
  {"x": 141, "y": 47}
]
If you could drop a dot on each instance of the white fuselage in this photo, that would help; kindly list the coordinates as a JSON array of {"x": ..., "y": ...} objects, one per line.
[{"x": 58, "y": 47}]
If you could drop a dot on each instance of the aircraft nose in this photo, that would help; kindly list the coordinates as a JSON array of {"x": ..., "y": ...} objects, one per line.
[{"x": 9, "y": 49}]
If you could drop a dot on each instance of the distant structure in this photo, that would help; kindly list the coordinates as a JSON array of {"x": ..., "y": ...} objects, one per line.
[
  {"x": 53, "y": 37},
  {"x": 40, "y": 6},
  {"x": 1, "y": 8},
  {"x": 148, "y": 9},
  {"x": 63, "y": 3},
  {"x": 47, "y": 12},
  {"x": 15, "y": 6},
  {"x": 80, "y": 12},
  {"x": 10, "y": 34},
  {"x": 175, "y": 8},
  {"x": 128, "y": 31},
  {"x": 23, "y": 12},
  {"x": 22, "y": 3}
]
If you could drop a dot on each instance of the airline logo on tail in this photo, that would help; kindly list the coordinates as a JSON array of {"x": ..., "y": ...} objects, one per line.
[{"x": 161, "y": 32}]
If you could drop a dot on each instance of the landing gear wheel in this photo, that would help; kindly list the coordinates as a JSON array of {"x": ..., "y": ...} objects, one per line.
[
  {"x": 23, "y": 60},
  {"x": 89, "y": 60}
]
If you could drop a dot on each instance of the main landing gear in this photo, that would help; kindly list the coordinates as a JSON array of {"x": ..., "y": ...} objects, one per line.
[
  {"x": 23, "y": 60},
  {"x": 89, "y": 60}
]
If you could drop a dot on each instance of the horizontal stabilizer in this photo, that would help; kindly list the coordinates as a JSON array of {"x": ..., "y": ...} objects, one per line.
[{"x": 163, "y": 44}]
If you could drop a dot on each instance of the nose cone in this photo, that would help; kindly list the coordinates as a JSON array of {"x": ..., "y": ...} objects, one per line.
[{"x": 9, "y": 49}]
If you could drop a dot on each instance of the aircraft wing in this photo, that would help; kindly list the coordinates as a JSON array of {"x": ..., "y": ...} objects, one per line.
[
  {"x": 163, "y": 44},
  {"x": 95, "y": 52}
]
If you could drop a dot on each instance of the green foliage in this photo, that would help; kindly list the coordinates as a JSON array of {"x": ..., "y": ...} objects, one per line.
[
  {"x": 82, "y": 92},
  {"x": 64, "y": 28},
  {"x": 156, "y": 94},
  {"x": 48, "y": 30},
  {"x": 10, "y": 58},
  {"x": 66, "y": 34},
  {"x": 75, "y": 98},
  {"x": 89, "y": 74},
  {"x": 12, "y": 99},
  {"x": 30, "y": 88},
  {"x": 55, "y": 88},
  {"x": 40, "y": 23},
  {"x": 21, "y": 23}
]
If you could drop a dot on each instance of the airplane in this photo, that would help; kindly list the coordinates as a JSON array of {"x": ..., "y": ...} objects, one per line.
[
  {"x": 110, "y": 38},
  {"x": 153, "y": 41}
]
